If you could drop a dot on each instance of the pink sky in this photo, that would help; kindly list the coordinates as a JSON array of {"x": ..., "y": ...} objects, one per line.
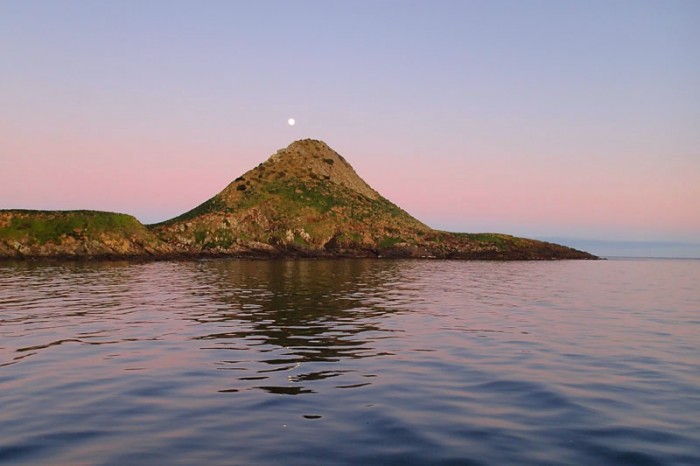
[
  {"x": 577, "y": 120},
  {"x": 155, "y": 180}
]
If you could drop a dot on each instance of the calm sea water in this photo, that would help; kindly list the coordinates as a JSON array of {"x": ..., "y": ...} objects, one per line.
[{"x": 350, "y": 362}]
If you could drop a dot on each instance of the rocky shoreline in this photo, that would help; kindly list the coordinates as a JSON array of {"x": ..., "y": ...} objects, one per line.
[{"x": 27, "y": 235}]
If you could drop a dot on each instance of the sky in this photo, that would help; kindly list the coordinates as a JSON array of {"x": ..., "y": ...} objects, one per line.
[{"x": 576, "y": 119}]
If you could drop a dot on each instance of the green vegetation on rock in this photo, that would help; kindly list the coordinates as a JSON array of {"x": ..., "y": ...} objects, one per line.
[
  {"x": 306, "y": 199},
  {"x": 76, "y": 233},
  {"x": 45, "y": 226}
]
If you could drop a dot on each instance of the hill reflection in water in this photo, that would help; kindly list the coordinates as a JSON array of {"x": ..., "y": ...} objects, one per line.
[
  {"x": 297, "y": 313},
  {"x": 389, "y": 362}
]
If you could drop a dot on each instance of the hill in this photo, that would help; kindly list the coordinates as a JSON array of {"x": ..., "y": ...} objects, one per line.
[
  {"x": 73, "y": 234},
  {"x": 306, "y": 200}
]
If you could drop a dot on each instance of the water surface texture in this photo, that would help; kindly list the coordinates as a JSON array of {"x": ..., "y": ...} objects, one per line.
[{"x": 350, "y": 362}]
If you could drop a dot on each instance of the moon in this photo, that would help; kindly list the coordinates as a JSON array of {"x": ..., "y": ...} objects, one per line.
[{"x": 291, "y": 122}]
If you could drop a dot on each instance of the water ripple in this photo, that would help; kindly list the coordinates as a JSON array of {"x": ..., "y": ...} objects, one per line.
[{"x": 351, "y": 362}]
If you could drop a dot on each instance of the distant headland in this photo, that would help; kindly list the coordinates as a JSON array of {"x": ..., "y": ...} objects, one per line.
[{"x": 304, "y": 201}]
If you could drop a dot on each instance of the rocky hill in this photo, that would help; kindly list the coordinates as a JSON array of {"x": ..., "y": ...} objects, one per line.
[{"x": 304, "y": 201}]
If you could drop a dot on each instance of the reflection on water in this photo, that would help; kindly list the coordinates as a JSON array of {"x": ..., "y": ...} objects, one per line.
[
  {"x": 409, "y": 362},
  {"x": 296, "y": 313}
]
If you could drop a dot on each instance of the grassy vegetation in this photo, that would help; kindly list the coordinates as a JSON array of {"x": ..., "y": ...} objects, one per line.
[
  {"x": 200, "y": 236},
  {"x": 215, "y": 204},
  {"x": 45, "y": 226},
  {"x": 488, "y": 238},
  {"x": 389, "y": 241},
  {"x": 294, "y": 194},
  {"x": 321, "y": 208}
]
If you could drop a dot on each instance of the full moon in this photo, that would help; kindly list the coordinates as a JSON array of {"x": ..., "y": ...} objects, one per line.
[{"x": 291, "y": 122}]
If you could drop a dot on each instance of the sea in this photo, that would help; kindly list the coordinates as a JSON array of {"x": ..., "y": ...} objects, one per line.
[{"x": 350, "y": 362}]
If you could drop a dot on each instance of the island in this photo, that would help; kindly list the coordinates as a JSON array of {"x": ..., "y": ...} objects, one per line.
[{"x": 306, "y": 200}]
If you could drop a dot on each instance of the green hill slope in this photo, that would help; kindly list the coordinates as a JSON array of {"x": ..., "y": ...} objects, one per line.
[{"x": 78, "y": 233}]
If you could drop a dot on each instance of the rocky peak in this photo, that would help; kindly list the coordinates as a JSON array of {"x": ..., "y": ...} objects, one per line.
[{"x": 313, "y": 160}]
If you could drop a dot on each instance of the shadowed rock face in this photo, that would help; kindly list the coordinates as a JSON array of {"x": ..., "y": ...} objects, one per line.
[{"x": 304, "y": 201}]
